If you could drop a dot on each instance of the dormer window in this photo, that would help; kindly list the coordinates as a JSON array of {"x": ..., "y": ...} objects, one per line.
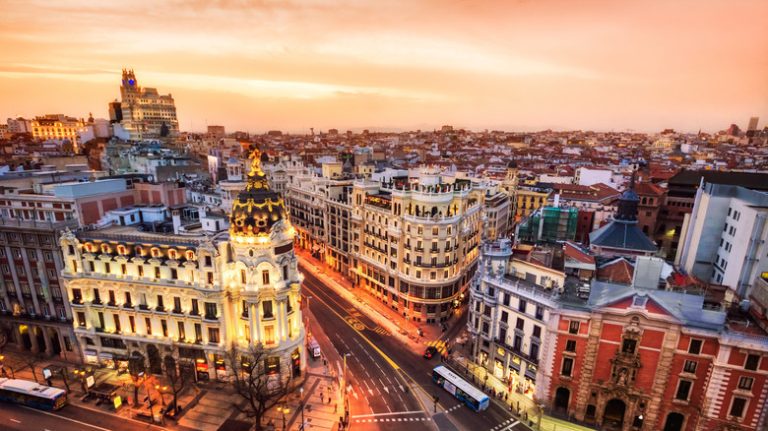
[
  {"x": 173, "y": 254},
  {"x": 639, "y": 301}
]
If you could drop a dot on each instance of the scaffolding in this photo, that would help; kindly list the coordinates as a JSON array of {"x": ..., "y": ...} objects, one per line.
[{"x": 550, "y": 225}]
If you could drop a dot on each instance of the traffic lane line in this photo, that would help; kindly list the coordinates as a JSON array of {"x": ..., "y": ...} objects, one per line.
[
  {"x": 70, "y": 419},
  {"x": 359, "y": 315},
  {"x": 391, "y": 362},
  {"x": 379, "y": 351}
]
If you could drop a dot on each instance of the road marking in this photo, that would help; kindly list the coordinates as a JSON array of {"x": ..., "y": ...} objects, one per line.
[
  {"x": 379, "y": 351},
  {"x": 15, "y": 420},
  {"x": 70, "y": 419},
  {"x": 410, "y": 412}
]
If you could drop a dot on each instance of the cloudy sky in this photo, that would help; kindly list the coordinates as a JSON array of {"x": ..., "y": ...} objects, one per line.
[{"x": 396, "y": 64}]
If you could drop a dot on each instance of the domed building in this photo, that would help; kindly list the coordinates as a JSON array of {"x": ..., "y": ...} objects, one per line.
[
  {"x": 141, "y": 285},
  {"x": 262, "y": 274}
]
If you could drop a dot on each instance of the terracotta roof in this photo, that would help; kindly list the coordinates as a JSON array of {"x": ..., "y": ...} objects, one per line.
[
  {"x": 649, "y": 189},
  {"x": 575, "y": 252},
  {"x": 616, "y": 271}
]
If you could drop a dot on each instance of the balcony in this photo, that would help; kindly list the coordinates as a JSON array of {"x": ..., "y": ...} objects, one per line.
[{"x": 211, "y": 317}]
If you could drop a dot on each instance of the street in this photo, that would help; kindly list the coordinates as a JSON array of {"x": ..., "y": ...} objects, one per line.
[
  {"x": 380, "y": 368},
  {"x": 70, "y": 418}
]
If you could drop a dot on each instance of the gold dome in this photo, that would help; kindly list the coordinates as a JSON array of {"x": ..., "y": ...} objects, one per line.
[{"x": 257, "y": 207}]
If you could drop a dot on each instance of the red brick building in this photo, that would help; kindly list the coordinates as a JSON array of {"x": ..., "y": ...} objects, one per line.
[{"x": 634, "y": 359}]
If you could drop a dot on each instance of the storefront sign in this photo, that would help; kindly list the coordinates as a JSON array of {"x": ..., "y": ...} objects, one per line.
[
  {"x": 117, "y": 401},
  {"x": 89, "y": 381}
]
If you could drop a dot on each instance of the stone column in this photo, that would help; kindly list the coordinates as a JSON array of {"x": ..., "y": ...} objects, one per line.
[
  {"x": 281, "y": 320},
  {"x": 47, "y": 340},
  {"x": 251, "y": 317},
  {"x": 33, "y": 339}
]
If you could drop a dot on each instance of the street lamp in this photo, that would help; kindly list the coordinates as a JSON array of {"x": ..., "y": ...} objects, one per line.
[
  {"x": 285, "y": 410},
  {"x": 301, "y": 406}
]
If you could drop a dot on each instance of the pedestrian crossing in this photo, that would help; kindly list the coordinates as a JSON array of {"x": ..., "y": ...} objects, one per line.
[
  {"x": 440, "y": 345},
  {"x": 371, "y": 420},
  {"x": 381, "y": 331},
  {"x": 506, "y": 425}
]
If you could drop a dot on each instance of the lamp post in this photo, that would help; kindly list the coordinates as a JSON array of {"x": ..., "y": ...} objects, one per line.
[
  {"x": 285, "y": 410},
  {"x": 301, "y": 406}
]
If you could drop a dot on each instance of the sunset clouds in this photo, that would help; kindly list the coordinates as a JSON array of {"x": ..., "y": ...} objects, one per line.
[{"x": 258, "y": 65}]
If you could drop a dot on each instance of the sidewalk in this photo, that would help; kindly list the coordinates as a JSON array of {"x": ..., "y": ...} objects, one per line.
[
  {"x": 521, "y": 406},
  {"x": 404, "y": 330},
  {"x": 18, "y": 368}
]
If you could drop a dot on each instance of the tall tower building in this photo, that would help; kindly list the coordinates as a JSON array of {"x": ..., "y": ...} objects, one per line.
[{"x": 146, "y": 114}]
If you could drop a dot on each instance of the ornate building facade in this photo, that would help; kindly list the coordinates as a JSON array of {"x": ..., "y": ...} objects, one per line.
[
  {"x": 136, "y": 291},
  {"x": 415, "y": 241},
  {"x": 146, "y": 114}
]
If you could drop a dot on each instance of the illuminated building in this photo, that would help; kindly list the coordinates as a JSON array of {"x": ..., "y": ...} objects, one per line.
[
  {"x": 156, "y": 288},
  {"x": 415, "y": 241},
  {"x": 34, "y": 310},
  {"x": 59, "y": 128},
  {"x": 145, "y": 114}
]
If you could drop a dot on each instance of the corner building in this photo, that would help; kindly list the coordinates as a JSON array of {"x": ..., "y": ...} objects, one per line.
[
  {"x": 415, "y": 242},
  {"x": 134, "y": 292}
]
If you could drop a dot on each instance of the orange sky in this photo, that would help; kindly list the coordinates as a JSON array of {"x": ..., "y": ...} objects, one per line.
[{"x": 404, "y": 64}]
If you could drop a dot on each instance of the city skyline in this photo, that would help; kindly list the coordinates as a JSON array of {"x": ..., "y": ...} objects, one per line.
[{"x": 351, "y": 65}]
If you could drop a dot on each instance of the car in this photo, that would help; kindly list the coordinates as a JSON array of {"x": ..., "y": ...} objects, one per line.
[{"x": 430, "y": 352}]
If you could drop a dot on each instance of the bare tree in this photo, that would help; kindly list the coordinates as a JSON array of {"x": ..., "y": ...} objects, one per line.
[
  {"x": 176, "y": 380},
  {"x": 136, "y": 368},
  {"x": 31, "y": 360},
  {"x": 259, "y": 390}
]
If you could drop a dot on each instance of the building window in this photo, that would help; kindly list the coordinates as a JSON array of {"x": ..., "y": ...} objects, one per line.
[
  {"x": 174, "y": 274},
  {"x": 738, "y": 405},
  {"x": 573, "y": 327},
  {"x": 195, "y": 308},
  {"x": 285, "y": 272},
  {"x": 265, "y": 277},
  {"x": 128, "y": 302},
  {"x": 504, "y": 316},
  {"x": 176, "y": 304},
  {"x": 157, "y": 272},
  {"x": 210, "y": 310},
  {"x": 267, "y": 309},
  {"x": 148, "y": 325},
  {"x": 77, "y": 296},
  {"x": 683, "y": 390},
  {"x": 107, "y": 268},
  {"x": 570, "y": 345},
  {"x": 690, "y": 366},
  {"x": 81, "y": 319},
  {"x": 521, "y": 306},
  {"x": 746, "y": 383},
  {"x": 213, "y": 335},
  {"x": 695, "y": 347},
  {"x": 116, "y": 318},
  {"x": 140, "y": 270},
  {"x": 198, "y": 333},
  {"x": 536, "y": 331},
  {"x": 164, "y": 327},
  {"x": 520, "y": 324},
  {"x": 752, "y": 362},
  {"x": 160, "y": 305},
  {"x": 567, "y": 368},
  {"x": 132, "y": 324}
]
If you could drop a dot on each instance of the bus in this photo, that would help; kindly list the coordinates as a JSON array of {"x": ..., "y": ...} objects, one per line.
[
  {"x": 459, "y": 388},
  {"x": 32, "y": 394}
]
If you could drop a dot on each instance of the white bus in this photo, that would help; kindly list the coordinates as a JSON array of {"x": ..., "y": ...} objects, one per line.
[
  {"x": 460, "y": 388},
  {"x": 32, "y": 394}
]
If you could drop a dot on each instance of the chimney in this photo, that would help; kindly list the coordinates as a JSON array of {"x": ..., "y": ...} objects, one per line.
[{"x": 176, "y": 216}]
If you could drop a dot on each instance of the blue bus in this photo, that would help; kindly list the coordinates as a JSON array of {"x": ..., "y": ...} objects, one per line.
[
  {"x": 32, "y": 394},
  {"x": 459, "y": 388}
]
